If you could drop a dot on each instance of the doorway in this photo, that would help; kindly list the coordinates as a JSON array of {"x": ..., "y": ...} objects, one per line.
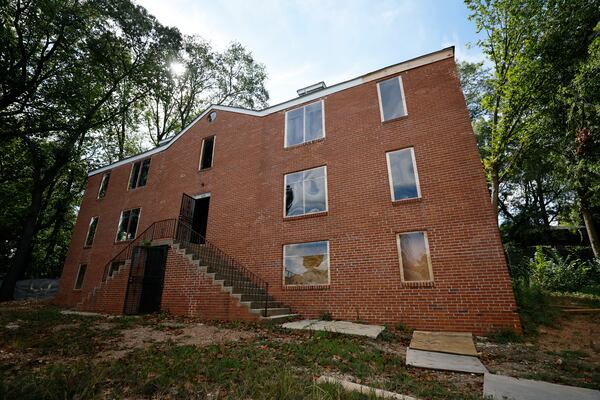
[
  {"x": 146, "y": 279},
  {"x": 200, "y": 217}
]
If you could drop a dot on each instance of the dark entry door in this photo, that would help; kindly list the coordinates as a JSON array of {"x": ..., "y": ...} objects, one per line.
[
  {"x": 153, "y": 280},
  {"x": 200, "y": 217}
]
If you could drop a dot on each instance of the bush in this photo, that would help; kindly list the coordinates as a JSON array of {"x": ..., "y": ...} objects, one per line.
[
  {"x": 564, "y": 274},
  {"x": 534, "y": 307}
]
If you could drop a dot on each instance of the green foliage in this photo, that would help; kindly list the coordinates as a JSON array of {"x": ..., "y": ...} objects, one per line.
[
  {"x": 505, "y": 336},
  {"x": 534, "y": 307},
  {"x": 553, "y": 272}
]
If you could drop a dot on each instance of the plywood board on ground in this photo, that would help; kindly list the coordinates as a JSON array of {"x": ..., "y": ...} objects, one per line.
[{"x": 444, "y": 342}]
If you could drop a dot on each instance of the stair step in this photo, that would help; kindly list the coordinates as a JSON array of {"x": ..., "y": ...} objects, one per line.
[
  {"x": 280, "y": 318},
  {"x": 257, "y": 305},
  {"x": 271, "y": 311}
]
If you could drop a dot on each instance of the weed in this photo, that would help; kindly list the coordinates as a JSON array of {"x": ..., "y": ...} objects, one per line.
[{"x": 505, "y": 336}]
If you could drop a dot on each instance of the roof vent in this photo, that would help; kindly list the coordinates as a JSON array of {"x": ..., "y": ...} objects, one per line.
[{"x": 312, "y": 88}]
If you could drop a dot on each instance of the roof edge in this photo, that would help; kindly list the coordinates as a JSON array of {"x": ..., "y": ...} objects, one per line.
[{"x": 416, "y": 62}]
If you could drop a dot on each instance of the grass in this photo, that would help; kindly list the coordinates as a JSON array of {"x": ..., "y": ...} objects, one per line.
[{"x": 56, "y": 356}]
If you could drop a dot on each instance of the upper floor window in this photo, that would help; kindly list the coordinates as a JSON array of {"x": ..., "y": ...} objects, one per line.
[
  {"x": 402, "y": 172},
  {"x": 392, "y": 104},
  {"x": 128, "y": 224},
  {"x": 415, "y": 260},
  {"x": 89, "y": 239},
  {"x": 212, "y": 116},
  {"x": 139, "y": 173},
  {"x": 306, "y": 263},
  {"x": 104, "y": 185},
  {"x": 80, "y": 277},
  {"x": 207, "y": 152},
  {"x": 306, "y": 192},
  {"x": 304, "y": 124}
]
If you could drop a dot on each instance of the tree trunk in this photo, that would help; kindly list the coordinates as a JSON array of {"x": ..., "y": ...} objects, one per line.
[
  {"x": 591, "y": 230},
  {"x": 541, "y": 201},
  {"x": 495, "y": 192},
  {"x": 19, "y": 264}
]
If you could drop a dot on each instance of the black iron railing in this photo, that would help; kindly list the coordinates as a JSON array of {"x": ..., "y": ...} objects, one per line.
[
  {"x": 225, "y": 267},
  {"x": 164, "y": 229}
]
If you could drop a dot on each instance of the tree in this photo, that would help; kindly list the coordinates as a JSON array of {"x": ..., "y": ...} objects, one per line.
[
  {"x": 231, "y": 78},
  {"x": 62, "y": 63}
]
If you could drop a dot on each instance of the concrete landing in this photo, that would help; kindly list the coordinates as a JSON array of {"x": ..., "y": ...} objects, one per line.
[
  {"x": 444, "y": 361},
  {"x": 505, "y": 387},
  {"x": 346, "y": 327}
]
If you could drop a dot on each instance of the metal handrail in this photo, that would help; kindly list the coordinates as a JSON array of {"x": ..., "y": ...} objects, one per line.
[{"x": 230, "y": 269}]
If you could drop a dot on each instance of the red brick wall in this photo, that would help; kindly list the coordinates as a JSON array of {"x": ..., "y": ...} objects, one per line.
[
  {"x": 110, "y": 295},
  {"x": 187, "y": 291},
  {"x": 472, "y": 289}
]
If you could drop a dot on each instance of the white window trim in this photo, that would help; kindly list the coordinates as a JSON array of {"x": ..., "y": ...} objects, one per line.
[
  {"x": 136, "y": 228},
  {"x": 391, "y": 181},
  {"x": 401, "y": 93},
  {"x": 141, "y": 161},
  {"x": 102, "y": 182},
  {"x": 77, "y": 277},
  {"x": 304, "y": 124},
  {"x": 212, "y": 162},
  {"x": 328, "y": 266},
  {"x": 310, "y": 213},
  {"x": 88, "y": 231},
  {"x": 425, "y": 236}
]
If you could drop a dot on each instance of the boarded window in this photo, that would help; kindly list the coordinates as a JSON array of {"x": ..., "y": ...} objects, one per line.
[
  {"x": 207, "y": 153},
  {"x": 304, "y": 124},
  {"x": 415, "y": 261},
  {"x": 128, "y": 224},
  {"x": 306, "y": 192},
  {"x": 402, "y": 172},
  {"x": 306, "y": 263},
  {"x": 391, "y": 99},
  {"x": 104, "y": 185},
  {"x": 89, "y": 239},
  {"x": 139, "y": 173},
  {"x": 80, "y": 277}
]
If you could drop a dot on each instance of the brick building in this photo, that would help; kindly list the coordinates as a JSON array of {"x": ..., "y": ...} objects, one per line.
[{"x": 365, "y": 200}]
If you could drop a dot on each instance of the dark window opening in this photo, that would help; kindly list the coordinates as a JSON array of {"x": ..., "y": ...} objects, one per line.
[
  {"x": 89, "y": 240},
  {"x": 128, "y": 224},
  {"x": 104, "y": 185},
  {"x": 139, "y": 174},
  {"x": 80, "y": 277},
  {"x": 208, "y": 146}
]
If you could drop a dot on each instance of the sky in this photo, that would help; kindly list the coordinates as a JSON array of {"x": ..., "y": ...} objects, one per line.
[{"x": 307, "y": 41}]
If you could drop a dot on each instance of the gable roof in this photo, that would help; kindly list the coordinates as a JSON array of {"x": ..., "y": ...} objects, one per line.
[{"x": 439, "y": 55}]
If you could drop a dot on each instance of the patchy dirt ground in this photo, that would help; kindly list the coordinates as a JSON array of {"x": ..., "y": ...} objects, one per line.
[{"x": 52, "y": 355}]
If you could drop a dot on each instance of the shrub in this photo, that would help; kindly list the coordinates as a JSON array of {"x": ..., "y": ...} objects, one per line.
[
  {"x": 564, "y": 274},
  {"x": 534, "y": 307}
]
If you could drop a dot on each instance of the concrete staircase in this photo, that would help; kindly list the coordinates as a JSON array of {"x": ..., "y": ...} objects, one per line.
[
  {"x": 102, "y": 297},
  {"x": 235, "y": 283}
]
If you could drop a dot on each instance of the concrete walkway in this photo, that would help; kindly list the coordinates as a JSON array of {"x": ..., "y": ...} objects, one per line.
[
  {"x": 444, "y": 361},
  {"x": 346, "y": 327},
  {"x": 504, "y": 387}
]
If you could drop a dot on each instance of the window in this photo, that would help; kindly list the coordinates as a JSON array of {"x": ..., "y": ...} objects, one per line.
[
  {"x": 103, "y": 185},
  {"x": 115, "y": 267},
  {"x": 402, "y": 173},
  {"x": 304, "y": 124},
  {"x": 391, "y": 99},
  {"x": 207, "y": 152},
  {"x": 415, "y": 261},
  {"x": 80, "y": 277},
  {"x": 306, "y": 263},
  {"x": 306, "y": 192},
  {"x": 128, "y": 224},
  {"x": 89, "y": 239},
  {"x": 139, "y": 173},
  {"x": 212, "y": 116}
]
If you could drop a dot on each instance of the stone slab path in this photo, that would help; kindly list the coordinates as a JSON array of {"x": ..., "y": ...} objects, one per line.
[
  {"x": 346, "y": 327},
  {"x": 445, "y": 342},
  {"x": 444, "y": 361},
  {"x": 505, "y": 387}
]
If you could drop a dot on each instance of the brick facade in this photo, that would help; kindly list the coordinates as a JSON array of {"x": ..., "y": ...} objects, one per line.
[{"x": 471, "y": 290}]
